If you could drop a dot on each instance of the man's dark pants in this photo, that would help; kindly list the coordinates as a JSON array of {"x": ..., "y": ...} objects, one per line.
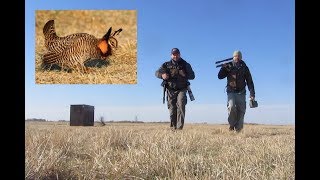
[{"x": 177, "y": 100}]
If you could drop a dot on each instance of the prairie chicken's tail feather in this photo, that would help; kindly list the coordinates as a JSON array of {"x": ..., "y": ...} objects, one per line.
[{"x": 49, "y": 31}]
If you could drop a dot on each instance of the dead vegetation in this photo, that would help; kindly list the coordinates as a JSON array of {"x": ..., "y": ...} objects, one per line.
[{"x": 153, "y": 151}]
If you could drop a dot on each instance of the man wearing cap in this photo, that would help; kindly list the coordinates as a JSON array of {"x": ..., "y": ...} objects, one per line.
[
  {"x": 238, "y": 76},
  {"x": 175, "y": 73}
]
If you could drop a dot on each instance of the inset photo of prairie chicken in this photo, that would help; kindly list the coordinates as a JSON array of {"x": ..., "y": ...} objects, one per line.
[{"x": 86, "y": 47}]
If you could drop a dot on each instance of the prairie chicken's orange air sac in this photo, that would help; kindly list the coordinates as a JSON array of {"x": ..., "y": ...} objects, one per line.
[
  {"x": 103, "y": 46},
  {"x": 73, "y": 50}
]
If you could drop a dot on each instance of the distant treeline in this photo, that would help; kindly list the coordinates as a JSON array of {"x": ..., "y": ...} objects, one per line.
[
  {"x": 123, "y": 121},
  {"x": 35, "y": 119}
]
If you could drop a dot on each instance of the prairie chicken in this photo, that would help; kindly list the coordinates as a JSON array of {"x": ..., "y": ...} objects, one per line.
[{"x": 72, "y": 51}]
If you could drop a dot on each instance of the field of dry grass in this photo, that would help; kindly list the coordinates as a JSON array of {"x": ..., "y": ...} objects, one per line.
[
  {"x": 55, "y": 150},
  {"x": 122, "y": 65}
]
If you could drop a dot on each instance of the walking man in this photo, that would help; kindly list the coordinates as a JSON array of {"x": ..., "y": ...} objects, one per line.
[
  {"x": 175, "y": 74},
  {"x": 238, "y": 76}
]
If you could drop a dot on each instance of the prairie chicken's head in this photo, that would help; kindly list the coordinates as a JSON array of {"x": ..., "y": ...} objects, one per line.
[
  {"x": 109, "y": 42},
  {"x": 113, "y": 42}
]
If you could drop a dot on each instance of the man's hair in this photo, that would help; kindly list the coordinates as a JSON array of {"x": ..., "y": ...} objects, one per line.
[{"x": 237, "y": 52}]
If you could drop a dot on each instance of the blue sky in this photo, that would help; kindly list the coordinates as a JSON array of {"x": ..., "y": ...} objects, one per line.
[{"x": 205, "y": 31}]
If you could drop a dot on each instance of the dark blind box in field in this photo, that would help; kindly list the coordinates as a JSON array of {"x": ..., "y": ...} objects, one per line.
[{"x": 81, "y": 115}]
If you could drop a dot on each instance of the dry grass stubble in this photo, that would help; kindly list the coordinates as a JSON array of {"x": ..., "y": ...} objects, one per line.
[{"x": 149, "y": 151}]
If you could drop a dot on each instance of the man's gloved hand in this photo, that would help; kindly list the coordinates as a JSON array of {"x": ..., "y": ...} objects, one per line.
[
  {"x": 182, "y": 73},
  {"x": 165, "y": 76},
  {"x": 227, "y": 66}
]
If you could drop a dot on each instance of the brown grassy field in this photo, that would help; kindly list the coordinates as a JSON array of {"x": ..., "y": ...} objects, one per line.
[
  {"x": 122, "y": 65},
  {"x": 55, "y": 150}
]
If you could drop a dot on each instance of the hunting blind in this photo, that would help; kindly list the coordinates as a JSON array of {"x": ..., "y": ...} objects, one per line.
[{"x": 81, "y": 115}]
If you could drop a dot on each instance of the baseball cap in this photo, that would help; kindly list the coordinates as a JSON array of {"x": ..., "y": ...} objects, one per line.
[{"x": 175, "y": 51}]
